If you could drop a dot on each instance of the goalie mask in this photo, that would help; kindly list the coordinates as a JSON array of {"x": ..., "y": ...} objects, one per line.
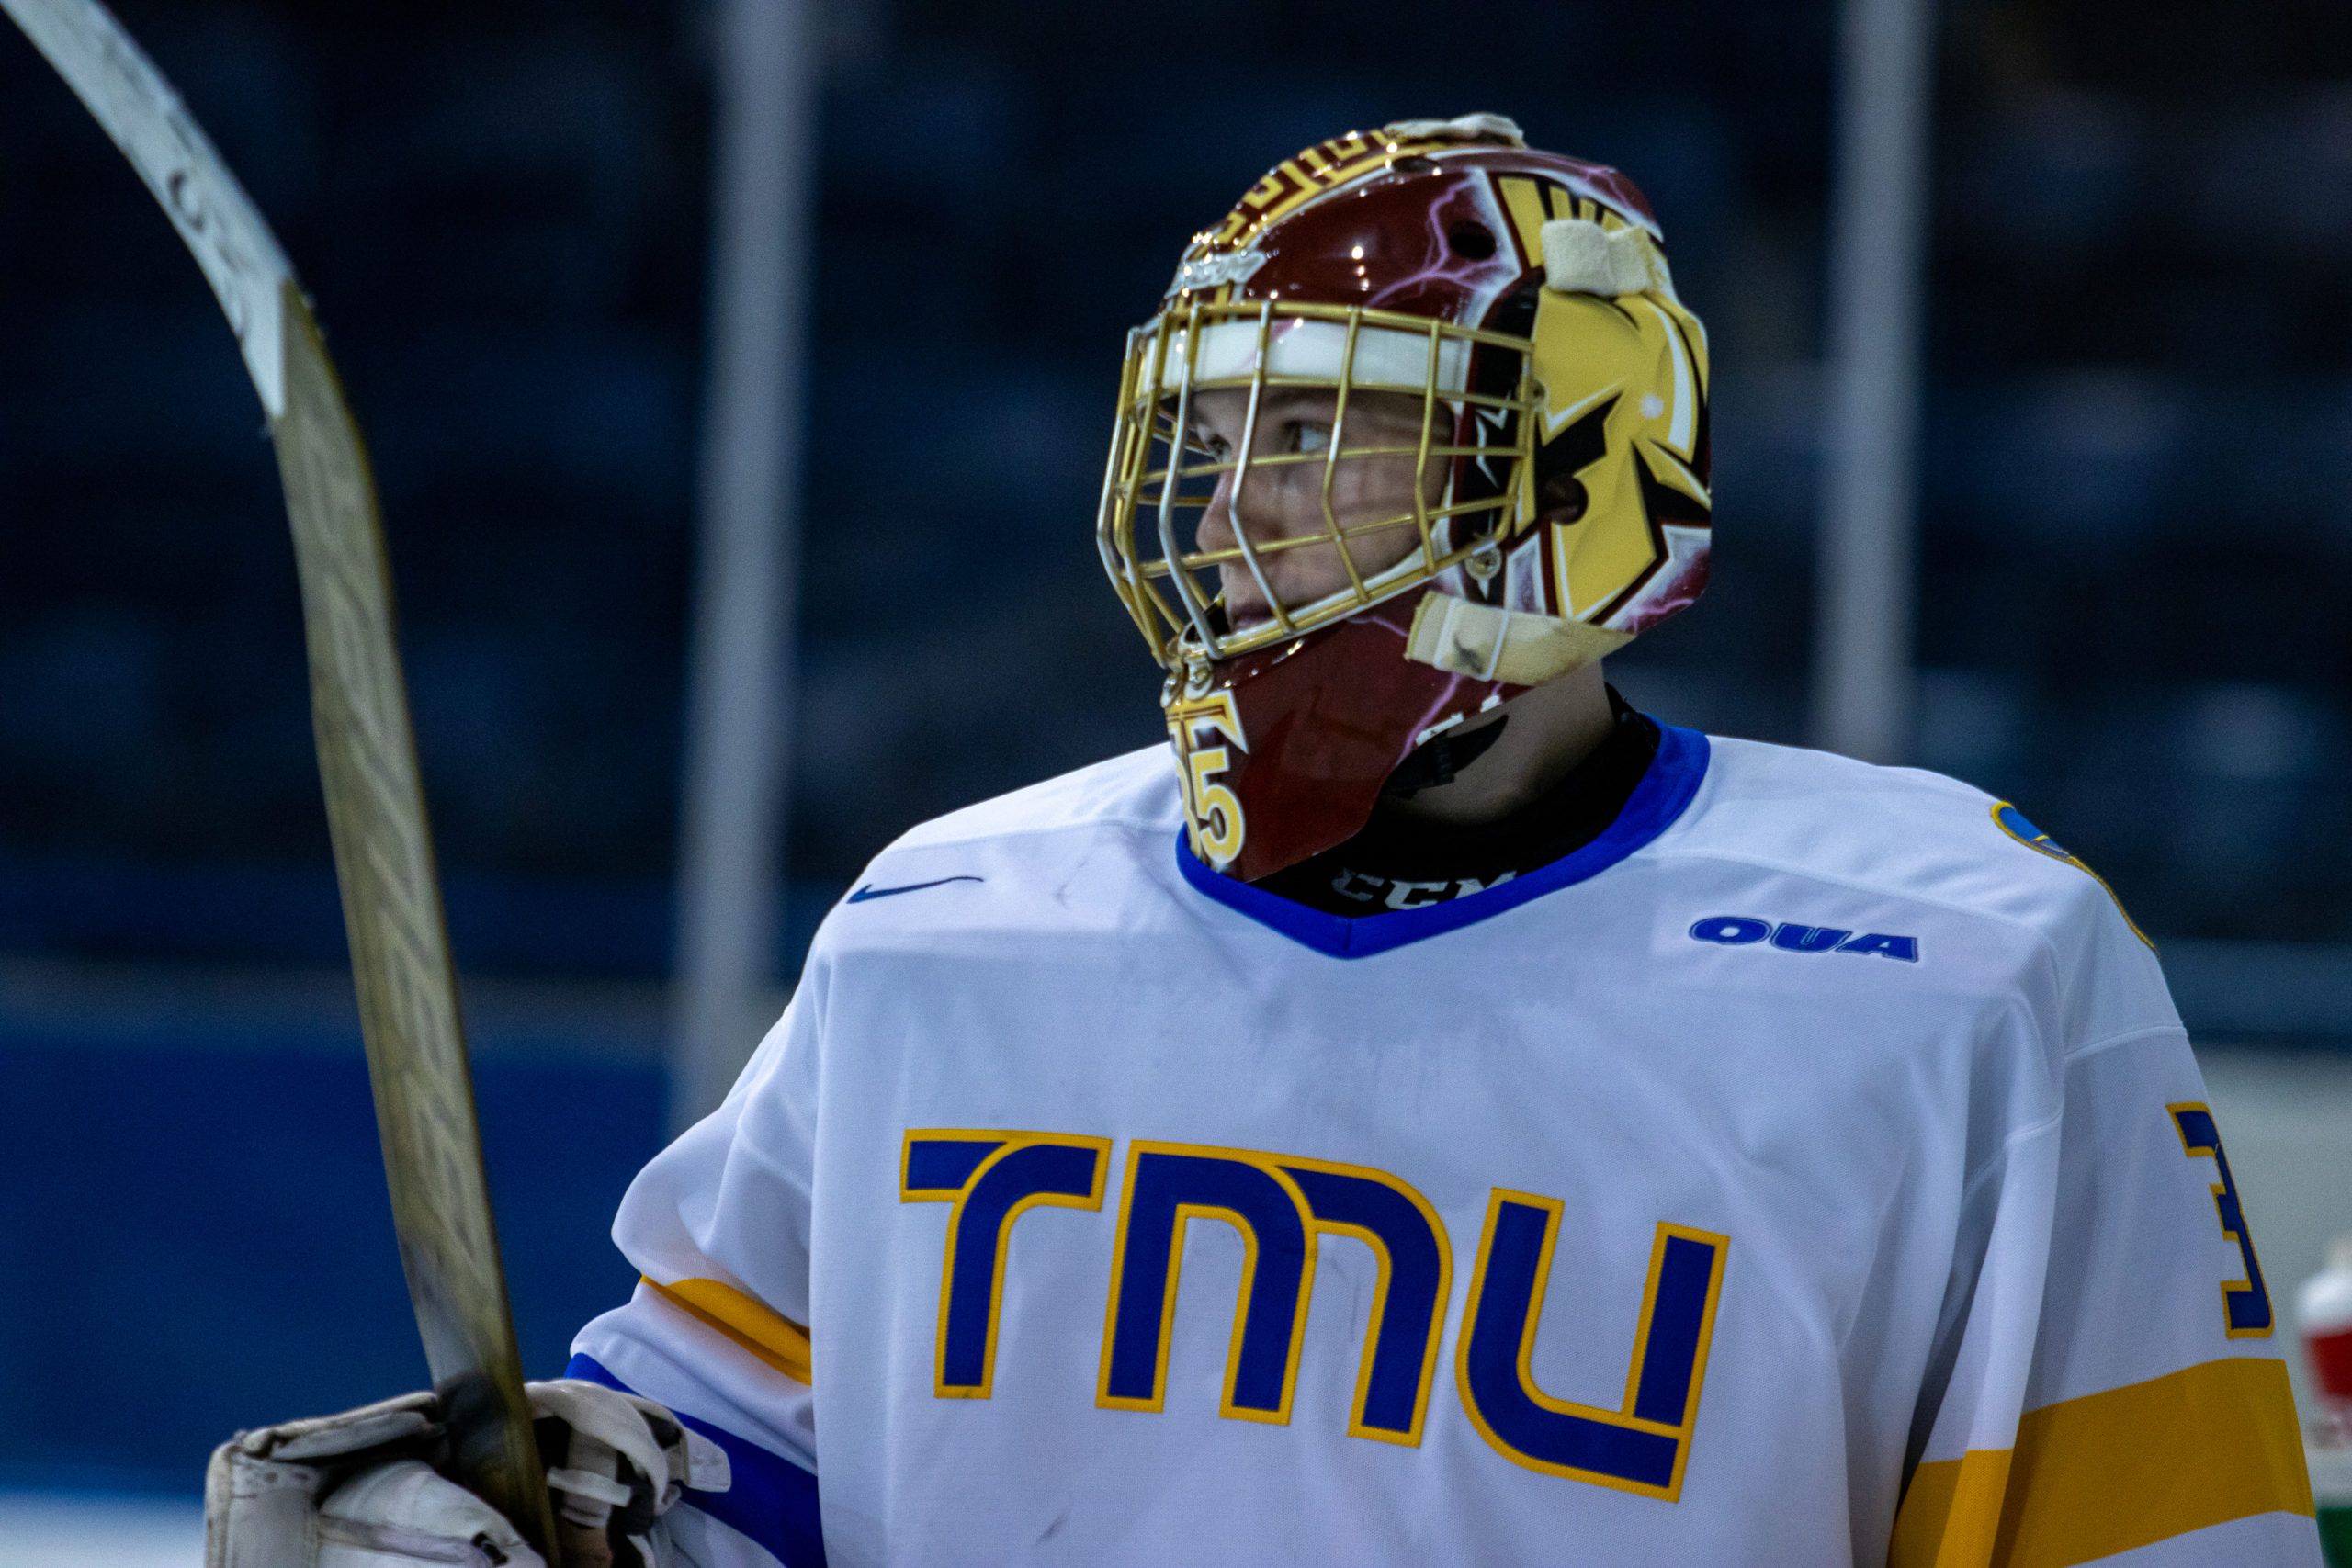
[{"x": 1419, "y": 426}]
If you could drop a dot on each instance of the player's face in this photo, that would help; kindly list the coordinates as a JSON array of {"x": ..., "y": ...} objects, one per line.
[{"x": 1285, "y": 501}]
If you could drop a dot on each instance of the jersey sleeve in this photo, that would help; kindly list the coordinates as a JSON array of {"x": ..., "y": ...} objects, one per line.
[
  {"x": 2108, "y": 1386},
  {"x": 717, "y": 1227}
]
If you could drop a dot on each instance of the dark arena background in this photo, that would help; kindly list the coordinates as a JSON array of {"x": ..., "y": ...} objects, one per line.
[{"x": 2135, "y": 560}]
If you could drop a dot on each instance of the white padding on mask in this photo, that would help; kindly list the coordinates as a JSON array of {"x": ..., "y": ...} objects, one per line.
[
  {"x": 1489, "y": 643},
  {"x": 1581, "y": 258},
  {"x": 1461, "y": 128},
  {"x": 1383, "y": 357}
]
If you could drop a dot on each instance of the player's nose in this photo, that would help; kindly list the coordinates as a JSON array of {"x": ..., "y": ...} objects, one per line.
[{"x": 1216, "y": 531}]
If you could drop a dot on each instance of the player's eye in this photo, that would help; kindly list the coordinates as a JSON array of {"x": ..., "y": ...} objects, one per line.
[
  {"x": 1213, "y": 447},
  {"x": 1302, "y": 436}
]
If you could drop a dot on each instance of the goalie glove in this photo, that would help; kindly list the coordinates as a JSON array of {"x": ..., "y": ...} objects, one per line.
[{"x": 361, "y": 1490}]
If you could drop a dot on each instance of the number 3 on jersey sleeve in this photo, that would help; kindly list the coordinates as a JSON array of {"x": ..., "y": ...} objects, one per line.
[{"x": 2245, "y": 1304}]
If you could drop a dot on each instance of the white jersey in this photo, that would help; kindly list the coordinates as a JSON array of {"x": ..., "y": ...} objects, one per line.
[{"x": 1811, "y": 1170}]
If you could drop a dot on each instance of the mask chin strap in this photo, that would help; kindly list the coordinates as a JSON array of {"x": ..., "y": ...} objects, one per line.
[
  {"x": 1515, "y": 648},
  {"x": 1435, "y": 762}
]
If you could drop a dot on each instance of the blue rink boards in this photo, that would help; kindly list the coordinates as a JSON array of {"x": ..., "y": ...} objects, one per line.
[{"x": 198, "y": 1239}]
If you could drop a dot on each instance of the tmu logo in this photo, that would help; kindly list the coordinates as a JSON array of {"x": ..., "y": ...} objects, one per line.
[{"x": 1739, "y": 930}]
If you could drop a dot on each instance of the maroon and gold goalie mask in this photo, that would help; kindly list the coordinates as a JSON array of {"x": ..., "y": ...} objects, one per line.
[{"x": 1421, "y": 424}]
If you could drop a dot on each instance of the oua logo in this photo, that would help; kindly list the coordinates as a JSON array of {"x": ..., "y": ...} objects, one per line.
[
  {"x": 1283, "y": 1206},
  {"x": 1739, "y": 930}
]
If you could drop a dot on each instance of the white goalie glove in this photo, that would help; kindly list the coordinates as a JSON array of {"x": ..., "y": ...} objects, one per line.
[{"x": 360, "y": 1490}]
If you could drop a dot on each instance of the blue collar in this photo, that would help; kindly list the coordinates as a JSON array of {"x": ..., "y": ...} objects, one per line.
[{"x": 1661, "y": 796}]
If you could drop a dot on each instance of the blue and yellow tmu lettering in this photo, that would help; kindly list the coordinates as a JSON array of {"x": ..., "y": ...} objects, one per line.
[
  {"x": 1169, "y": 1184},
  {"x": 1641, "y": 1447},
  {"x": 2245, "y": 1304},
  {"x": 992, "y": 1179},
  {"x": 1407, "y": 1304}
]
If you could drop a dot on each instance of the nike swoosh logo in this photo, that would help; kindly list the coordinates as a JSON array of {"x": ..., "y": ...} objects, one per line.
[{"x": 870, "y": 891}]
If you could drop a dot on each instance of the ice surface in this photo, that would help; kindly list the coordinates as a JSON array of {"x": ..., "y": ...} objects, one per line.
[{"x": 88, "y": 1530}]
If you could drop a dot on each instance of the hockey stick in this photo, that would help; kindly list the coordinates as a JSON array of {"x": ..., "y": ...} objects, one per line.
[{"x": 391, "y": 904}]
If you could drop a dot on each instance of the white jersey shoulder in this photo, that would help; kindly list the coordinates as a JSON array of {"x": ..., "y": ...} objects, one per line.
[
  {"x": 1902, "y": 831},
  {"x": 1136, "y": 789},
  {"x": 1074, "y": 852},
  {"x": 1959, "y": 855}
]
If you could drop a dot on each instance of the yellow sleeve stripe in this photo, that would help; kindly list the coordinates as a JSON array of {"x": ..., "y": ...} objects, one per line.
[
  {"x": 780, "y": 1342},
  {"x": 1953, "y": 1512},
  {"x": 2109, "y": 1471}
]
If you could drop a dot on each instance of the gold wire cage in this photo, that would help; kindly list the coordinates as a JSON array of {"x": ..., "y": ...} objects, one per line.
[{"x": 1158, "y": 473}]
